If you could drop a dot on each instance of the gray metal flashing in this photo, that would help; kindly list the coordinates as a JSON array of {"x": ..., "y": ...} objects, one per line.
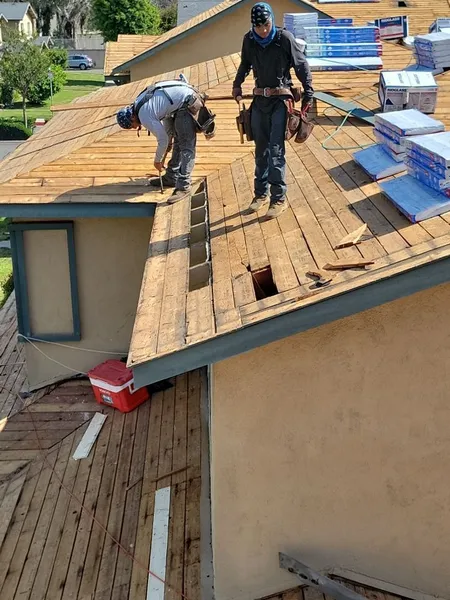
[
  {"x": 74, "y": 210},
  {"x": 195, "y": 29},
  {"x": 20, "y": 281},
  {"x": 365, "y": 115},
  {"x": 281, "y": 326}
]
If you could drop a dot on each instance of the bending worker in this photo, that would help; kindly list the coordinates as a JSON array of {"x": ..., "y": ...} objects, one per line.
[
  {"x": 271, "y": 51},
  {"x": 167, "y": 109}
]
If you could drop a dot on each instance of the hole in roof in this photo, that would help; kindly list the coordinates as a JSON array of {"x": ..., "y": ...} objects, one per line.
[
  {"x": 263, "y": 283},
  {"x": 402, "y": 3}
]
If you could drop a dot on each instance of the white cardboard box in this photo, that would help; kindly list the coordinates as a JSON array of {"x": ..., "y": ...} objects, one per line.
[{"x": 399, "y": 90}]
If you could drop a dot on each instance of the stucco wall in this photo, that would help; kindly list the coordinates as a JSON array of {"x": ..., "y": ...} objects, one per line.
[
  {"x": 218, "y": 38},
  {"x": 110, "y": 255},
  {"x": 334, "y": 445}
]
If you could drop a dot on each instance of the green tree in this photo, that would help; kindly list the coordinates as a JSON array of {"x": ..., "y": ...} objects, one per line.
[
  {"x": 112, "y": 17},
  {"x": 45, "y": 10},
  {"x": 169, "y": 17},
  {"x": 23, "y": 65}
]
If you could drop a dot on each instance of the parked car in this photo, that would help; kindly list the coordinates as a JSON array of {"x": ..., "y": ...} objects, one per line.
[{"x": 80, "y": 61}]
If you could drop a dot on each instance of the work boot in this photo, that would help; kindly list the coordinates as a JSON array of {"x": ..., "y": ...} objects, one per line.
[
  {"x": 178, "y": 195},
  {"x": 257, "y": 202},
  {"x": 276, "y": 208},
  {"x": 167, "y": 183}
]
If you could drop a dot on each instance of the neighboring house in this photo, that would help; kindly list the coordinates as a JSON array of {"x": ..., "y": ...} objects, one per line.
[
  {"x": 44, "y": 41},
  {"x": 123, "y": 50},
  {"x": 327, "y": 406},
  {"x": 3, "y": 23},
  {"x": 21, "y": 16},
  {"x": 214, "y": 33}
]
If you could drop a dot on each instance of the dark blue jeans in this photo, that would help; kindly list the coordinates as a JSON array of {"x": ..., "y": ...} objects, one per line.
[
  {"x": 182, "y": 127},
  {"x": 268, "y": 121}
]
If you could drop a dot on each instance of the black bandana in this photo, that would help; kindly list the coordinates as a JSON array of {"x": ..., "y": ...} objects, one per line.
[{"x": 261, "y": 13}]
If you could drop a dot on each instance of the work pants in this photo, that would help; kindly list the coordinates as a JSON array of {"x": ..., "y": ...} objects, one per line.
[
  {"x": 181, "y": 127},
  {"x": 268, "y": 122}
]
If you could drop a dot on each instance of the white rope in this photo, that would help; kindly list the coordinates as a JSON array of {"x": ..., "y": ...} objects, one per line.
[
  {"x": 56, "y": 361},
  {"x": 34, "y": 339}
]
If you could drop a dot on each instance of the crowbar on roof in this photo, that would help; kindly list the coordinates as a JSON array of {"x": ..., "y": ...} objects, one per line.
[{"x": 310, "y": 577}]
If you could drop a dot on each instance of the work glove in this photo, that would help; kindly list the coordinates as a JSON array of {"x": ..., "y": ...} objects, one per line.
[{"x": 237, "y": 94}]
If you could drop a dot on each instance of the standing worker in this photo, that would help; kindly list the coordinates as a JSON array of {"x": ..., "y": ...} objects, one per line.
[
  {"x": 271, "y": 52},
  {"x": 168, "y": 109}
]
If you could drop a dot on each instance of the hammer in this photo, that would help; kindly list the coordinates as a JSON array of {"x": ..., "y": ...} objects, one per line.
[{"x": 161, "y": 186}]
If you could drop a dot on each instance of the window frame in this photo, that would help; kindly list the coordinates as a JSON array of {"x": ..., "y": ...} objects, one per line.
[{"x": 20, "y": 280}]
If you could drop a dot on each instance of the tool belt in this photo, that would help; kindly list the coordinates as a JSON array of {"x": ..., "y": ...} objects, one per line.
[
  {"x": 270, "y": 92},
  {"x": 297, "y": 126}
]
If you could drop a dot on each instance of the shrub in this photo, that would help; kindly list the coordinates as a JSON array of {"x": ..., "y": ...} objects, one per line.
[
  {"x": 6, "y": 94},
  {"x": 13, "y": 129},
  {"x": 8, "y": 286},
  {"x": 41, "y": 92},
  {"x": 59, "y": 57},
  {"x": 169, "y": 17}
]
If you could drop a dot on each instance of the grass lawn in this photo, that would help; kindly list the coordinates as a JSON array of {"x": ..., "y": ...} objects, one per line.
[
  {"x": 5, "y": 272},
  {"x": 78, "y": 84},
  {"x": 5, "y": 259}
]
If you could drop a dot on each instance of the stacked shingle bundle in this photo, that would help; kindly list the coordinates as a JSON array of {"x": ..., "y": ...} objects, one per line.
[
  {"x": 428, "y": 160},
  {"x": 296, "y": 23},
  {"x": 441, "y": 24},
  {"x": 433, "y": 50},
  {"x": 393, "y": 129},
  {"x": 343, "y": 47}
]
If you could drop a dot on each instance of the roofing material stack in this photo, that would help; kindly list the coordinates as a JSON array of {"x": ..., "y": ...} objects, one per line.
[
  {"x": 428, "y": 160},
  {"x": 400, "y": 90},
  {"x": 296, "y": 23},
  {"x": 440, "y": 24},
  {"x": 343, "y": 48},
  {"x": 425, "y": 191},
  {"x": 392, "y": 130},
  {"x": 433, "y": 51}
]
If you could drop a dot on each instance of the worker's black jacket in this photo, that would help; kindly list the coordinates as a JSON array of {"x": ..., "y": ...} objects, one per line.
[{"x": 271, "y": 65}]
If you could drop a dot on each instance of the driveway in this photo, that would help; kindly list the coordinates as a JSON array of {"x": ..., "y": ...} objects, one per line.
[{"x": 7, "y": 147}]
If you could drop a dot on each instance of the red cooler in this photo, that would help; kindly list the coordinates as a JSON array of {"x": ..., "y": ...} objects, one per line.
[{"x": 113, "y": 385}]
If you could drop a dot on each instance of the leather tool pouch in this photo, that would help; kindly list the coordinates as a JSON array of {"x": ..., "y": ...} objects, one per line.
[
  {"x": 243, "y": 120},
  {"x": 296, "y": 94},
  {"x": 203, "y": 117},
  {"x": 297, "y": 125}
]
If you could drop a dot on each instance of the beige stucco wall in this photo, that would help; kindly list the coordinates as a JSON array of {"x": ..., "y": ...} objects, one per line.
[
  {"x": 110, "y": 255},
  {"x": 334, "y": 446},
  {"x": 218, "y": 38}
]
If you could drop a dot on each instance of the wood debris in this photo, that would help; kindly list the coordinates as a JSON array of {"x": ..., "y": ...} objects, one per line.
[
  {"x": 352, "y": 238},
  {"x": 339, "y": 265}
]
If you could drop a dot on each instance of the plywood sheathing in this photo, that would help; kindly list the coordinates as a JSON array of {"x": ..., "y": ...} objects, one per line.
[{"x": 50, "y": 548}]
